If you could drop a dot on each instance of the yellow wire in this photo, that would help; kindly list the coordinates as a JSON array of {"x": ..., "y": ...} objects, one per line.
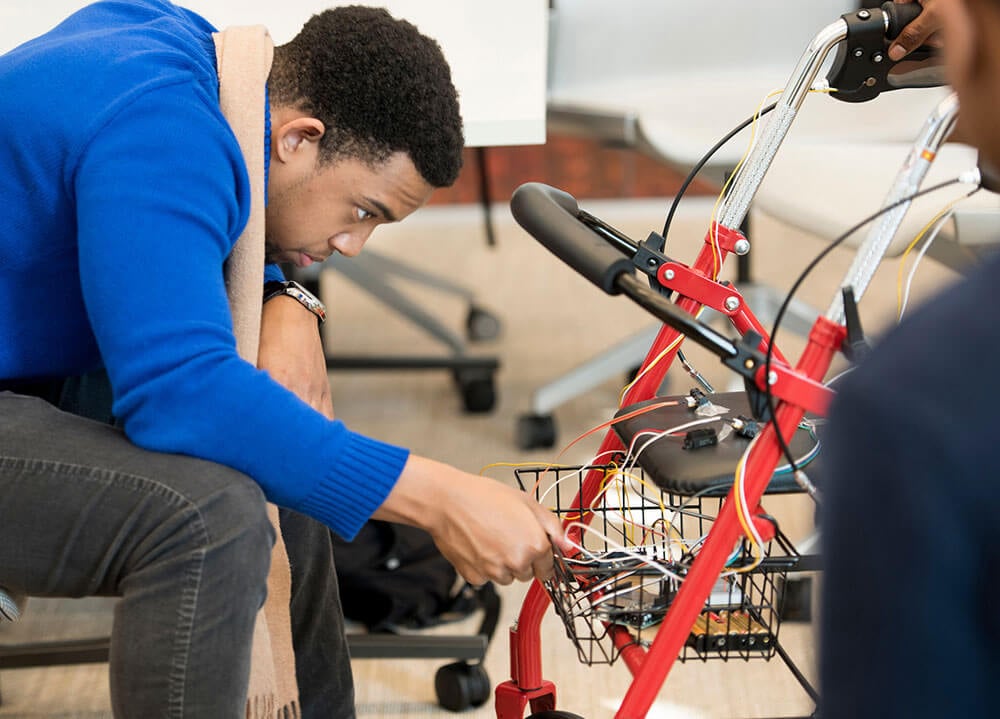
[
  {"x": 753, "y": 137},
  {"x": 494, "y": 465},
  {"x": 718, "y": 201},
  {"x": 741, "y": 513},
  {"x": 601, "y": 490},
  {"x": 916, "y": 240},
  {"x": 647, "y": 368},
  {"x": 628, "y": 525},
  {"x": 626, "y": 511},
  {"x": 758, "y": 558},
  {"x": 715, "y": 236},
  {"x": 656, "y": 361}
]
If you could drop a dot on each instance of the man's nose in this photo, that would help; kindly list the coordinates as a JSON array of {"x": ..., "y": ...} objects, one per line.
[{"x": 350, "y": 243}]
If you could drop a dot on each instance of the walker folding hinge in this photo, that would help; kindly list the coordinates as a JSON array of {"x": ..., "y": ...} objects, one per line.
[{"x": 721, "y": 297}]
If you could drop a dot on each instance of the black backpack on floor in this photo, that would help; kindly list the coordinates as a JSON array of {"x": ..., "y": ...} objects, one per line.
[{"x": 392, "y": 576}]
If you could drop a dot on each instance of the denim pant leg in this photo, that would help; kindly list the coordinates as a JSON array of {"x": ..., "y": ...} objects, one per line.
[
  {"x": 184, "y": 543},
  {"x": 322, "y": 661}
]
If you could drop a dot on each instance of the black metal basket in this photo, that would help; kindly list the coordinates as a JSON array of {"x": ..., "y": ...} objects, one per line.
[{"x": 637, "y": 543}]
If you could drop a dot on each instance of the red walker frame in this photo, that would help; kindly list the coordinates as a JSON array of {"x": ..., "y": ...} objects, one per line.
[{"x": 799, "y": 390}]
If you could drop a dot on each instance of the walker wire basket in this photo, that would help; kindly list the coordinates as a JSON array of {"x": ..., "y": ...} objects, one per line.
[{"x": 634, "y": 546}]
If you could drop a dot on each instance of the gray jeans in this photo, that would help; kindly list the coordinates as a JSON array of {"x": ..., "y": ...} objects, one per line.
[{"x": 185, "y": 543}]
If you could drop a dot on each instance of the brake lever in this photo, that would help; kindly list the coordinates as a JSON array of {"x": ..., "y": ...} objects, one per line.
[{"x": 862, "y": 70}]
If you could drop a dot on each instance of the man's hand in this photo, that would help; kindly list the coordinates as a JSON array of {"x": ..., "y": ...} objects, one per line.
[
  {"x": 488, "y": 530},
  {"x": 925, "y": 30},
  {"x": 291, "y": 351}
]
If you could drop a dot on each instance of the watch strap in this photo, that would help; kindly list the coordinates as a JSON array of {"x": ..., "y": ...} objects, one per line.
[{"x": 293, "y": 289}]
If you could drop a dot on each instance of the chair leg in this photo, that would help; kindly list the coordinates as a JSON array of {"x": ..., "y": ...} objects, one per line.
[{"x": 485, "y": 194}]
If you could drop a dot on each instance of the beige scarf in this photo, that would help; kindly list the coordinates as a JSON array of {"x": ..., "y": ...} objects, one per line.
[{"x": 244, "y": 56}]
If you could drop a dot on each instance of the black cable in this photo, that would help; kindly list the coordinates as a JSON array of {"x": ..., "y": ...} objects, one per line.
[
  {"x": 705, "y": 158},
  {"x": 798, "y": 283}
]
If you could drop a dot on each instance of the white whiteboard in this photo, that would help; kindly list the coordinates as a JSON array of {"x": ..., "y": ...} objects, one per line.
[{"x": 497, "y": 49}]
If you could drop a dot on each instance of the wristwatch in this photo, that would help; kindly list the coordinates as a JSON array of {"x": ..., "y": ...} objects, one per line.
[{"x": 296, "y": 291}]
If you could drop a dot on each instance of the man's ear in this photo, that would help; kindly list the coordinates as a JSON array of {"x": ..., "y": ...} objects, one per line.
[{"x": 297, "y": 136}]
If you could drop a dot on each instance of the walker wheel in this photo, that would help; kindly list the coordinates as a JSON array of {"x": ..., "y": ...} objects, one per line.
[
  {"x": 536, "y": 430},
  {"x": 461, "y": 685},
  {"x": 481, "y": 324},
  {"x": 555, "y": 714}
]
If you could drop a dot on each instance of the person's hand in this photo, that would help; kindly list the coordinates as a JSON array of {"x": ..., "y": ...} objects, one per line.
[
  {"x": 488, "y": 530},
  {"x": 925, "y": 30},
  {"x": 292, "y": 352}
]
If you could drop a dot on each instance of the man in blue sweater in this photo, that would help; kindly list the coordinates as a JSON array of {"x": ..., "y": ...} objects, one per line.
[
  {"x": 910, "y": 520},
  {"x": 124, "y": 191}
]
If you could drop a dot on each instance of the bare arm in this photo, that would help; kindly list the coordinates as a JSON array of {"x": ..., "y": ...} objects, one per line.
[
  {"x": 291, "y": 351},
  {"x": 489, "y": 531}
]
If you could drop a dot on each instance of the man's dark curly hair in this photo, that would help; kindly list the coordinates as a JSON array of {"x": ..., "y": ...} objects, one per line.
[{"x": 379, "y": 86}]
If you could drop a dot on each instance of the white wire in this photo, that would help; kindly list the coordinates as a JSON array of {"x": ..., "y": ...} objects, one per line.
[
  {"x": 630, "y": 460},
  {"x": 741, "y": 487},
  {"x": 601, "y": 496},
  {"x": 920, "y": 255},
  {"x": 627, "y": 551},
  {"x": 586, "y": 466},
  {"x": 838, "y": 376},
  {"x": 638, "y": 556}
]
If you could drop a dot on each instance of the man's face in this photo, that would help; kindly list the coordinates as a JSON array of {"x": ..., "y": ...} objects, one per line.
[{"x": 316, "y": 210}]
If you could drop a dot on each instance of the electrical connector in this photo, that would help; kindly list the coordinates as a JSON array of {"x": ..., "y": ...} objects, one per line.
[
  {"x": 971, "y": 177},
  {"x": 745, "y": 427},
  {"x": 696, "y": 398},
  {"x": 701, "y": 437}
]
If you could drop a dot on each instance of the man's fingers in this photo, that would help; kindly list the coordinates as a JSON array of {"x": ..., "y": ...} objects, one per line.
[
  {"x": 912, "y": 37},
  {"x": 474, "y": 577},
  {"x": 503, "y": 578},
  {"x": 542, "y": 568},
  {"x": 921, "y": 31}
]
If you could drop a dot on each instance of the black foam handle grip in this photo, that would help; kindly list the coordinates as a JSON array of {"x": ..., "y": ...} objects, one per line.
[
  {"x": 550, "y": 216},
  {"x": 900, "y": 15}
]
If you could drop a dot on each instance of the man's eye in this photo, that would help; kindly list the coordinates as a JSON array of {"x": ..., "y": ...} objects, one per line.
[{"x": 363, "y": 214}]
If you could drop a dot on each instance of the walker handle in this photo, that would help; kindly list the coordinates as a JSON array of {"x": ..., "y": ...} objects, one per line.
[
  {"x": 551, "y": 216},
  {"x": 862, "y": 69},
  {"x": 899, "y": 15}
]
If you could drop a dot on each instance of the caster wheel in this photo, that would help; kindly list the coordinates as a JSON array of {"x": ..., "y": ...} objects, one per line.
[
  {"x": 536, "y": 431},
  {"x": 460, "y": 685},
  {"x": 481, "y": 325},
  {"x": 478, "y": 392},
  {"x": 555, "y": 714},
  {"x": 796, "y": 600}
]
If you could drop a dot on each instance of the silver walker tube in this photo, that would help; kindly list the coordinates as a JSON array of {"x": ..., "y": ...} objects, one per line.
[
  {"x": 751, "y": 173},
  {"x": 870, "y": 253}
]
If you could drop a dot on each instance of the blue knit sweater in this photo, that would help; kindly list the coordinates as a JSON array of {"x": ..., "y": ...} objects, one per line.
[{"x": 124, "y": 191}]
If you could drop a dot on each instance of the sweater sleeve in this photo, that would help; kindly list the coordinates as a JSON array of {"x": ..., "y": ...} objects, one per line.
[
  {"x": 162, "y": 194},
  {"x": 273, "y": 273}
]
